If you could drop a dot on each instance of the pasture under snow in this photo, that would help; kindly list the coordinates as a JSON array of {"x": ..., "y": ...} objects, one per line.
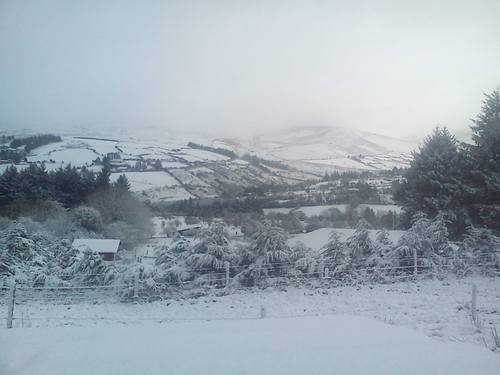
[
  {"x": 304, "y": 331},
  {"x": 309, "y": 211},
  {"x": 318, "y": 238},
  {"x": 140, "y": 181}
]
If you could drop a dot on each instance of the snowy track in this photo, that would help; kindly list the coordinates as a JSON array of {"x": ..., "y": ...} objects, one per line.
[{"x": 308, "y": 345}]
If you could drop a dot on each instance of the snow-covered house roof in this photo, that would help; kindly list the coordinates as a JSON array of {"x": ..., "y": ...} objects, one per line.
[
  {"x": 189, "y": 227},
  {"x": 97, "y": 245}
]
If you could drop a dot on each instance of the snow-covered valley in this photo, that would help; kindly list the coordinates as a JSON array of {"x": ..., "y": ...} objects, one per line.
[{"x": 197, "y": 166}]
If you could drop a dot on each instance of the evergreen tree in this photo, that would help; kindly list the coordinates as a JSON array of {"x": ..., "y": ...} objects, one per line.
[
  {"x": 270, "y": 249},
  {"x": 334, "y": 253},
  {"x": 483, "y": 170},
  {"x": 267, "y": 255},
  {"x": 479, "y": 251},
  {"x": 427, "y": 241},
  {"x": 211, "y": 249},
  {"x": 122, "y": 184},
  {"x": 381, "y": 260},
  {"x": 102, "y": 180},
  {"x": 359, "y": 245},
  {"x": 433, "y": 182},
  {"x": 91, "y": 270}
]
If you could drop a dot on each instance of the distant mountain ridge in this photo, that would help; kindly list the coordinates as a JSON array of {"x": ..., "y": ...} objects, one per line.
[{"x": 316, "y": 147}]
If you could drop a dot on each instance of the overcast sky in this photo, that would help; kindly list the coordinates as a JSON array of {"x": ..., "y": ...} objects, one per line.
[{"x": 235, "y": 67}]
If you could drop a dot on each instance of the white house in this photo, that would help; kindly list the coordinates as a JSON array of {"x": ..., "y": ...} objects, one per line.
[{"x": 106, "y": 248}]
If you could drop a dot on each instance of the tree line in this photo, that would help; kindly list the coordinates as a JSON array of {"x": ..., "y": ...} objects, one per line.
[
  {"x": 69, "y": 186},
  {"x": 34, "y": 141},
  {"x": 460, "y": 181}
]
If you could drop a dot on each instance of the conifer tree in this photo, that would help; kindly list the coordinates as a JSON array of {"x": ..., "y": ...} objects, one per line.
[
  {"x": 483, "y": 170},
  {"x": 334, "y": 254},
  {"x": 334, "y": 251},
  {"x": 425, "y": 243},
  {"x": 433, "y": 182},
  {"x": 211, "y": 249},
  {"x": 359, "y": 245}
]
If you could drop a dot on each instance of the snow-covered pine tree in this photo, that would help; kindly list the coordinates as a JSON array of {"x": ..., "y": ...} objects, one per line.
[
  {"x": 271, "y": 250},
  {"x": 334, "y": 253},
  {"x": 143, "y": 280},
  {"x": 306, "y": 263},
  {"x": 433, "y": 182},
  {"x": 428, "y": 240},
  {"x": 171, "y": 263},
  {"x": 382, "y": 258},
  {"x": 359, "y": 244},
  {"x": 88, "y": 217},
  {"x": 19, "y": 245},
  {"x": 122, "y": 184},
  {"x": 29, "y": 257},
  {"x": 210, "y": 251},
  {"x": 17, "y": 250},
  {"x": 482, "y": 174},
  {"x": 268, "y": 255},
  {"x": 479, "y": 252},
  {"x": 90, "y": 270}
]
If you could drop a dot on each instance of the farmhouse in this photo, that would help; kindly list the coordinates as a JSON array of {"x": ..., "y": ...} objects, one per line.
[{"x": 106, "y": 248}]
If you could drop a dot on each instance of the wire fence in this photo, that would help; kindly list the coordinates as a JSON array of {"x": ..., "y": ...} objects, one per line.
[{"x": 141, "y": 288}]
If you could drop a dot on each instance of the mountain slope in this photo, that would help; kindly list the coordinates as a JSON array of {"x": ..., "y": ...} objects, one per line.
[{"x": 319, "y": 147}]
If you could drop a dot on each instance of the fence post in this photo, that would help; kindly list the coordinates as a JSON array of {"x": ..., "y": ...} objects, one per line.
[
  {"x": 10, "y": 308},
  {"x": 415, "y": 263},
  {"x": 473, "y": 305},
  {"x": 262, "y": 312},
  {"x": 136, "y": 286},
  {"x": 227, "y": 267}
]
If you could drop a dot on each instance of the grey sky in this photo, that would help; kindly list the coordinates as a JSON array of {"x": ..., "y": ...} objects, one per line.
[{"x": 396, "y": 67}]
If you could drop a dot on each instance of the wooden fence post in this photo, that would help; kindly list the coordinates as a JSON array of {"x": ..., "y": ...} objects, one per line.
[
  {"x": 262, "y": 312},
  {"x": 227, "y": 267},
  {"x": 10, "y": 308},
  {"x": 415, "y": 263},
  {"x": 136, "y": 286},
  {"x": 473, "y": 305}
]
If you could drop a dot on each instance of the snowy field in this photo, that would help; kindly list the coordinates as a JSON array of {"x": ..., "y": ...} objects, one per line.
[
  {"x": 193, "y": 155},
  {"x": 403, "y": 328},
  {"x": 140, "y": 181},
  {"x": 437, "y": 308},
  {"x": 318, "y": 238},
  {"x": 309, "y": 345},
  {"x": 309, "y": 211},
  {"x": 19, "y": 167}
]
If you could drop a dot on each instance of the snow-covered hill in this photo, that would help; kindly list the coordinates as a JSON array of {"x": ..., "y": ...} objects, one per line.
[
  {"x": 320, "y": 147},
  {"x": 168, "y": 166}
]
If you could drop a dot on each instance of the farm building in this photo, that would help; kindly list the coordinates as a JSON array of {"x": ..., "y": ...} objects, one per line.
[
  {"x": 189, "y": 230},
  {"x": 106, "y": 248}
]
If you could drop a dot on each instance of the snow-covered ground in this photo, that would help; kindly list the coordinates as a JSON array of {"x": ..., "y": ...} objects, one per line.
[
  {"x": 318, "y": 238},
  {"x": 309, "y": 345},
  {"x": 192, "y": 155},
  {"x": 309, "y": 211},
  {"x": 140, "y": 181},
  {"x": 440, "y": 309}
]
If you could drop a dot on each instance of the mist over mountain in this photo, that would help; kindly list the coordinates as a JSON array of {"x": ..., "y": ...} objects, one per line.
[{"x": 313, "y": 142}]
